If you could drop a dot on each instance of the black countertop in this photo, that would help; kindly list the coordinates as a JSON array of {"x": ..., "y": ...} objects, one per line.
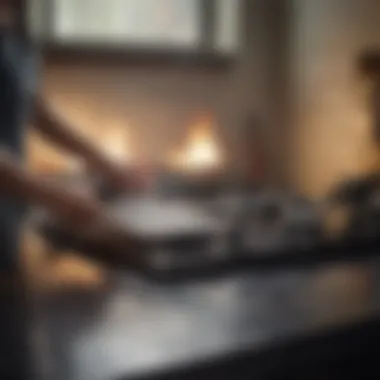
[{"x": 132, "y": 328}]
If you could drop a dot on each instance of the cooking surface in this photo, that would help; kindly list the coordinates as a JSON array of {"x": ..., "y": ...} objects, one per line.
[
  {"x": 194, "y": 238},
  {"x": 133, "y": 327},
  {"x": 162, "y": 219},
  {"x": 190, "y": 237}
]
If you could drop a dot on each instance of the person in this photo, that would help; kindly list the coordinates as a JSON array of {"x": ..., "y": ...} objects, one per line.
[{"x": 21, "y": 104}]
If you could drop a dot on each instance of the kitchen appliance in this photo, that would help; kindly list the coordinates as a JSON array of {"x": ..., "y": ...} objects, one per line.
[{"x": 191, "y": 237}]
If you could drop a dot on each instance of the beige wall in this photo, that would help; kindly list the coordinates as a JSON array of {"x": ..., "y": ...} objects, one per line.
[
  {"x": 152, "y": 106},
  {"x": 332, "y": 130}
]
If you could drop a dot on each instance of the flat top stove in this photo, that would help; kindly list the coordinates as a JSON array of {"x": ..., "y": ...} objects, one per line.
[
  {"x": 157, "y": 219},
  {"x": 188, "y": 238}
]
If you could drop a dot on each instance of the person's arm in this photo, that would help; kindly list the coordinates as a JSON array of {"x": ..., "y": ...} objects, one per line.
[
  {"x": 17, "y": 182},
  {"x": 52, "y": 126},
  {"x": 60, "y": 132},
  {"x": 82, "y": 217}
]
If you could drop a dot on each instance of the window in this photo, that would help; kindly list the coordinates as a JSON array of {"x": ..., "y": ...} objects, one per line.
[
  {"x": 173, "y": 24},
  {"x": 143, "y": 22}
]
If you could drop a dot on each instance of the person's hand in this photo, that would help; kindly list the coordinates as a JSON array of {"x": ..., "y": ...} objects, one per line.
[
  {"x": 106, "y": 239},
  {"x": 128, "y": 178},
  {"x": 76, "y": 210},
  {"x": 86, "y": 223},
  {"x": 119, "y": 179}
]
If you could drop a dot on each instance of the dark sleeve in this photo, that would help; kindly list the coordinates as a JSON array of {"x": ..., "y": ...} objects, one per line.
[
  {"x": 34, "y": 75},
  {"x": 376, "y": 114}
]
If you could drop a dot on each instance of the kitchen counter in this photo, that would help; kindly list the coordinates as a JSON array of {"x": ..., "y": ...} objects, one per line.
[{"x": 92, "y": 324}]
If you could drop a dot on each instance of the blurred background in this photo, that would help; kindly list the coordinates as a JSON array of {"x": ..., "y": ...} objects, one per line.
[
  {"x": 139, "y": 73},
  {"x": 261, "y": 90},
  {"x": 267, "y": 91},
  {"x": 148, "y": 69}
]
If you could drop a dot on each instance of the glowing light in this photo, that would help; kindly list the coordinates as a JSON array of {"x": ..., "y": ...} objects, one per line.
[
  {"x": 117, "y": 144},
  {"x": 200, "y": 150}
]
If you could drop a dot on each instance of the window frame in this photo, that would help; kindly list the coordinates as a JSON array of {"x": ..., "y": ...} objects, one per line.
[{"x": 205, "y": 54}]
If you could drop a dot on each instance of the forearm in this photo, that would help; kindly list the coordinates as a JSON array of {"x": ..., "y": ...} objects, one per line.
[
  {"x": 19, "y": 183},
  {"x": 16, "y": 181},
  {"x": 57, "y": 130}
]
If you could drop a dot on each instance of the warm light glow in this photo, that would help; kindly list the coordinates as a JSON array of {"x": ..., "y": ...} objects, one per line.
[
  {"x": 200, "y": 150},
  {"x": 116, "y": 143}
]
